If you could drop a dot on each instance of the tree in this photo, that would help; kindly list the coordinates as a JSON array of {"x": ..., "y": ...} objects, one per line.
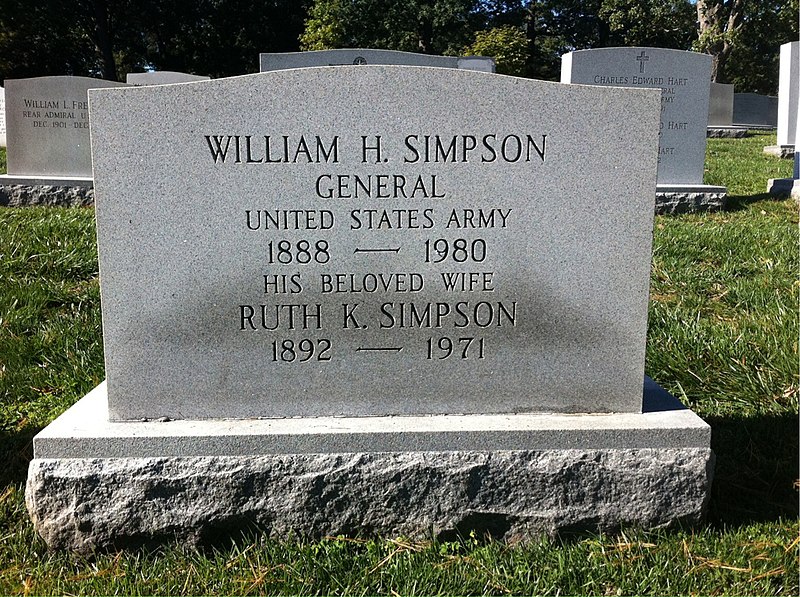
[
  {"x": 655, "y": 23},
  {"x": 507, "y": 44},
  {"x": 753, "y": 62},
  {"x": 719, "y": 22},
  {"x": 426, "y": 26}
]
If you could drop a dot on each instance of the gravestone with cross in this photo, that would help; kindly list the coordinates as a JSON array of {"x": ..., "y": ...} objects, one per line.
[{"x": 683, "y": 78}]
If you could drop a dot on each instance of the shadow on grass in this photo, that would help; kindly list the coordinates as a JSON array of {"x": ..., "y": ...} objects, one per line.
[
  {"x": 16, "y": 451},
  {"x": 756, "y": 470},
  {"x": 741, "y": 202}
]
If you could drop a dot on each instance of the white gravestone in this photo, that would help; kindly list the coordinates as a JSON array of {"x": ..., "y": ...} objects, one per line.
[
  {"x": 2, "y": 117},
  {"x": 788, "y": 100},
  {"x": 285, "y": 272},
  {"x": 47, "y": 130},
  {"x": 362, "y": 56},
  {"x": 683, "y": 78},
  {"x": 163, "y": 77}
]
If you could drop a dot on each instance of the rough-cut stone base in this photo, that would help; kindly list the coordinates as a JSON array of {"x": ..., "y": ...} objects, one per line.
[
  {"x": 513, "y": 476},
  {"x": 784, "y": 186},
  {"x": 17, "y": 195},
  {"x": 780, "y": 151},
  {"x": 90, "y": 504},
  {"x": 726, "y": 132},
  {"x": 679, "y": 199}
]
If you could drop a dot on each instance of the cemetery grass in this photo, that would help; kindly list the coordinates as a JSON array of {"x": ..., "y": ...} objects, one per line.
[{"x": 723, "y": 337}]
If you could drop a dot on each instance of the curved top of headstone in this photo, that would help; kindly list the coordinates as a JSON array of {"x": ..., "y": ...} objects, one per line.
[
  {"x": 362, "y": 56},
  {"x": 541, "y": 194}
]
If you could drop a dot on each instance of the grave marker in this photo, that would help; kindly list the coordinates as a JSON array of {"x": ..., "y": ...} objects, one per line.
[
  {"x": 283, "y": 273},
  {"x": 48, "y": 155},
  {"x": 162, "y": 77},
  {"x": 362, "y": 56},
  {"x": 683, "y": 78},
  {"x": 788, "y": 100},
  {"x": 755, "y": 111},
  {"x": 2, "y": 117}
]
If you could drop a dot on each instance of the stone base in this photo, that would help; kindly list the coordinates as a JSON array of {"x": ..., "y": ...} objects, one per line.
[
  {"x": 726, "y": 132},
  {"x": 53, "y": 191},
  {"x": 784, "y": 186},
  {"x": 687, "y": 198},
  {"x": 95, "y": 485},
  {"x": 780, "y": 151}
]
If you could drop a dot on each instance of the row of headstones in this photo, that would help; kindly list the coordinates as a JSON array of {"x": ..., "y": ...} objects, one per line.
[
  {"x": 748, "y": 110},
  {"x": 49, "y": 121}
]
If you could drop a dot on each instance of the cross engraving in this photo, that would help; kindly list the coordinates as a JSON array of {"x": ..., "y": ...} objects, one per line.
[
  {"x": 360, "y": 60},
  {"x": 641, "y": 59}
]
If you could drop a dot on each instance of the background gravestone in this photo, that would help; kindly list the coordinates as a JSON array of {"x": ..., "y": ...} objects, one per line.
[
  {"x": 683, "y": 78},
  {"x": 47, "y": 133},
  {"x": 2, "y": 117},
  {"x": 754, "y": 110},
  {"x": 162, "y": 78},
  {"x": 299, "y": 268},
  {"x": 720, "y": 113},
  {"x": 720, "y": 105},
  {"x": 788, "y": 100},
  {"x": 361, "y": 56}
]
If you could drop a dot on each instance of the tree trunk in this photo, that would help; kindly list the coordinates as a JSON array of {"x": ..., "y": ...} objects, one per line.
[{"x": 718, "y": 22}]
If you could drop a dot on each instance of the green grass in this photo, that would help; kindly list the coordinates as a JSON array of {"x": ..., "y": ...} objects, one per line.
[
  {"x": 2, "y": 160},
  {"x": 723, "y": 337}
]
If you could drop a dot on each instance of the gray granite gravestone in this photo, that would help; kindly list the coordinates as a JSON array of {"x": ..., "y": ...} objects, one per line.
[
  {"x": 683, "y": 78},
  {"x": 2, "y": 117},
  {"x": 361, "y": 56},
  {"x": 755, "y": 111},
  {"x": 788, "y": 100},
  {"x": 720, "y": 105},
  {"x": 720, "y": 113},
  {"x": 162, "y": 77},
  {"x": 47, "y": 132},
  {"x": 410, "y": 284}
]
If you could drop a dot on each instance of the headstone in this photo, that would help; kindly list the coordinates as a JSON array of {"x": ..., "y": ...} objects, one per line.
[
  {"x": 755, "y": 111},
  {"x": 47, "y": 133},
  {"x": 683, "y": 78},
  {"x": 409, "y": 283},
  {"x": 2, "y": 117},
  {"x": 720, "y": 113},
  {"x": 788, "y": 100},
  {"x": 362, "y": 56},
  {"x": 162, "y": 77},
  {"x": 789, "y": 186},
  {"x": 720, "y": 106}
]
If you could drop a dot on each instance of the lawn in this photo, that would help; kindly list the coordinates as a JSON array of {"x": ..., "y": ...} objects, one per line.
[{"x": 723, "y": 337}]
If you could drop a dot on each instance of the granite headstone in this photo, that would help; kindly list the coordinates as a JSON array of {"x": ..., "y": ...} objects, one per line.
[
  {"x": 47, "y": 128},
  {"x": 788, "y": 100},
  {"x": 683, "y": 78},
  {"x": 162, "y": 77},
  {"x": 362, "y": 56},
  {"x": 720, "y": 106},
  {"x": 2, "y": 117},
  {"x": 384, "y": 265},
  {"x": 755, "y": 110},
  {"x": 289, "y": 260}
]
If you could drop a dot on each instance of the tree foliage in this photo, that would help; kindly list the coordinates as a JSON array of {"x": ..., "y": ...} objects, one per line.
[
  {"x": 109, "y": 38},
  {"x": 507, "y": 44}
]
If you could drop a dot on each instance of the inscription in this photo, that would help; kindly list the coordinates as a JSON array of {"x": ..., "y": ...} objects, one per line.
[{"x": 304, "y": 268}]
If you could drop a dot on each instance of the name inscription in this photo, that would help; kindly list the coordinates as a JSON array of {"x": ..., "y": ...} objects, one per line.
[{"x": 450, "y": 245}]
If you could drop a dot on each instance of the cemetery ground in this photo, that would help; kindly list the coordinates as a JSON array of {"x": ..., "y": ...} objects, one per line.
[{"x": 723, "y": 335}]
